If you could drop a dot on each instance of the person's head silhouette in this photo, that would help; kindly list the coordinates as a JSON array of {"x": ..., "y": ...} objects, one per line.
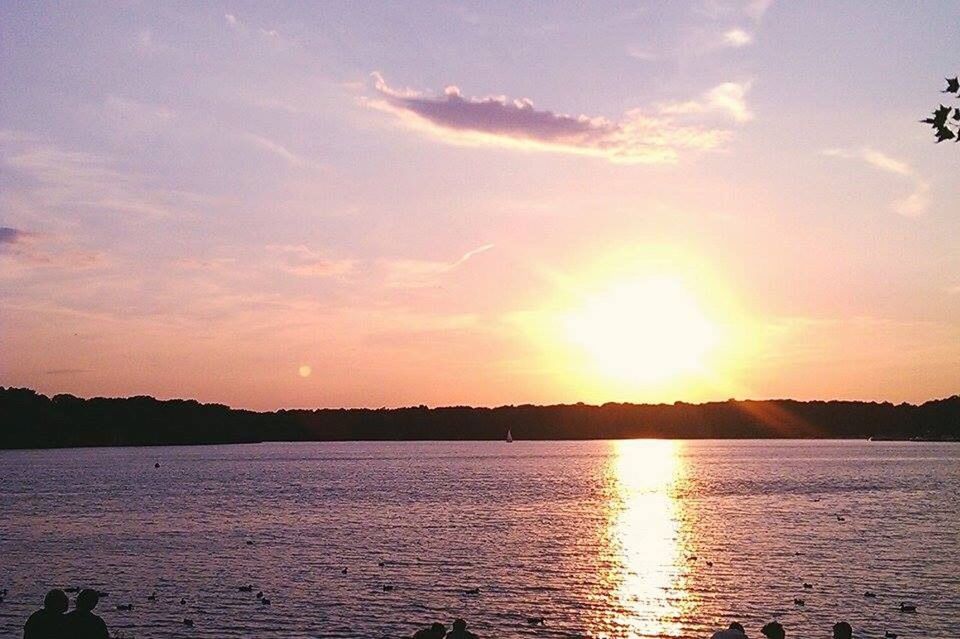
[
  {"x": 87, "y": 600},
  {"x": 842, "y": 630},
  {"x": 773, "y": 630},
  {"x": 734, "y": 631},
  {"x": 56, "y": 601},
  {"x": 459, "y": 624},
  {"x": 438, "y": 627}
]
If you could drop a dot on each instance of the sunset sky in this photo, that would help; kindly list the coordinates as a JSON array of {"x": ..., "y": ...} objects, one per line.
[{"x": 339, "y": 204}]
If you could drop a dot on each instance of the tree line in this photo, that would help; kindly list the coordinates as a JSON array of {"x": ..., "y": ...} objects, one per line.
[{"x": 31, "y": 420}]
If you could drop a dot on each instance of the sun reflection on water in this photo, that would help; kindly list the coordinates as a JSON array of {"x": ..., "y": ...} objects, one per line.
[{"x": 648, "y": 551}]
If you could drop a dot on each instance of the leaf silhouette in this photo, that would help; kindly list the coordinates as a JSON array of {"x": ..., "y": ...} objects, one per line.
[
  {"x": 945, "y": 120},
  {"x": 940, "y": 115},
  {"x": 943, "y": 133}
]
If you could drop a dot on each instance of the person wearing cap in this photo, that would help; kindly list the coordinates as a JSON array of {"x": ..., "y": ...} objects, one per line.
[
  {"x": 460, "y": 631},
  {"x": 81, "y": 623}
]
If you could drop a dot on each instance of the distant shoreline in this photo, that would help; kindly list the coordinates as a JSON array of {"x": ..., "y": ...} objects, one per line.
[
  {"x": 34, "y": 421},
  {"x": 476, "y": 441}
]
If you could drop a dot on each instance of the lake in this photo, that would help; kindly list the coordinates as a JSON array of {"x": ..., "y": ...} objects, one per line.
[{"x": 642, "y": 538}]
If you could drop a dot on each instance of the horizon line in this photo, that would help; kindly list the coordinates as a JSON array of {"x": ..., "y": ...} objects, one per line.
[{"x": 493, "y": 407}]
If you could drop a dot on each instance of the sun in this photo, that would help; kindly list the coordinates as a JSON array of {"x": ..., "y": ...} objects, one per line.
[{"x": 643, "y": 331}]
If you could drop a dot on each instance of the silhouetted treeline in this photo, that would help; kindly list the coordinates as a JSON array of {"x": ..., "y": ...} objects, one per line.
[{"x": 31, "y": 420}]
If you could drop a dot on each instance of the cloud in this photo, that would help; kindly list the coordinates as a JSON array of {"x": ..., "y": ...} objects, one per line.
[
  {"x": 196, "y": 264},
  {"x": 74, "y": 181},
  {"x": 275, "y": 148},
  {"x": 915, "y": 203},
  {"x": 146, "y": 43},
  {"x": 887, "y": 163},
  {"x": 639, "y": 53},
  {"x": 757, "y": 8},
  {"x": 22, "y": 252},
  {"x": 423, "y": 273},
  {"x": 305, "y": 262},
  {"x": 241, "y": 27},
  {"x": 477, "y": 251},
  {"x": 729, "y": 98},
  {"x": 637, "y": 138},
  {"x": 737, "y": 38},
  {"x": 10, "y": 235},
  {"x": 132, "y": 118}
]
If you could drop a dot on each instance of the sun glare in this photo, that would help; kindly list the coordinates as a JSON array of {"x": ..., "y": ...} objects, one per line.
[{"x": 646, "y": 330}]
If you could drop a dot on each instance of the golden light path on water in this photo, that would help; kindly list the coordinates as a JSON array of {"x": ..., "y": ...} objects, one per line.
[{"x": 648, "y": 553}]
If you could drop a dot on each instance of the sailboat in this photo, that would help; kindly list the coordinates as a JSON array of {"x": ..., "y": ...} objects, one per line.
[{"x": 509, "y": 437}]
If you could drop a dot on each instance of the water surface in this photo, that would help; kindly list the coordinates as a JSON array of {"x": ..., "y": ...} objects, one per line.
[{"x": 603, "y": 539}]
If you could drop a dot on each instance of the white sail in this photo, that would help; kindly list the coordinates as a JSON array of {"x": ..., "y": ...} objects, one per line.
[{"x": 509, "y": 436}]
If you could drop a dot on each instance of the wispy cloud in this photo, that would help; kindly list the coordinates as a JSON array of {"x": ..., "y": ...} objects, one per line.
[
  {"x": 887, "y": 163},
  {"x": 23, "y": 252},
  {"x": 729, "y": 98},
  {"x": 146, "y": 43},
  {"x": 276, "y": 148},
  {"x": 641, "y": 53},
  {"x": 915, "y": 203},
  {"x": 130, "y": 117},
  {"x": 198, "y": 264},
  {"x": 496, "y": 121},
  {"x": 756, "y": 9},
  {"x": 477, "y": 251},
  {"x": 80, "y": 181},
  {"x": 737, "y": 38},
  {"x": 240, "y": 26},
  {"x": 422, "y": 273},
  {"x": 303, "y": 261}
]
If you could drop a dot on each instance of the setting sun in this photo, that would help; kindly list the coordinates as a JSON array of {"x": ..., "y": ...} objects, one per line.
[
  {"x": 571, "y": 319},
  {"x": 647, "y": 330}
]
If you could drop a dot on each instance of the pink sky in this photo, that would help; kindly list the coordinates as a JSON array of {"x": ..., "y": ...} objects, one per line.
[{"x": 477, "y": 204}]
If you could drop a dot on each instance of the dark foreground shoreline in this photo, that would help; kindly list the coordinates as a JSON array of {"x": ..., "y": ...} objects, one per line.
[
  {"x": 32, "y": 420},
  {"x": 53, "y": 621}
]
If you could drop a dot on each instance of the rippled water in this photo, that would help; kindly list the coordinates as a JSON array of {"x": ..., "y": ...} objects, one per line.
[{"x": 597, "y": 537}]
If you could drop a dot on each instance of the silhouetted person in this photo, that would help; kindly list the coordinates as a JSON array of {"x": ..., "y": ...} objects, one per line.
[
  {"x": 460, "y": 631},
  {"x": 48, "y": 622},
  {"x": 842, "y": 630},
  {"x": 435, "y": 631},
  {"x": 735, "y": 631},
  {"x": 81, "y": 623},
  {"x": 773, "y": 630}
]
